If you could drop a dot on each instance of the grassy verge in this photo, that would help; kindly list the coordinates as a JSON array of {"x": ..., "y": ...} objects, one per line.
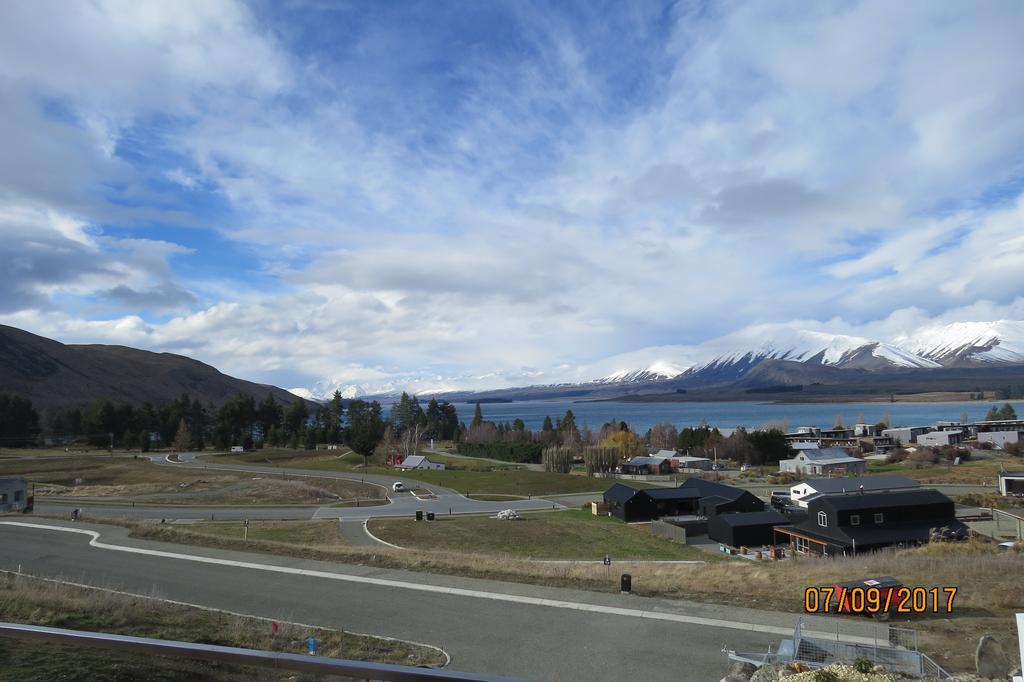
[
  {"x": 986, "y": 602},
  {"x": 319, "y": 533},
  {"x": 37, "y": 602},
  {"x": 570, "y": 534}
]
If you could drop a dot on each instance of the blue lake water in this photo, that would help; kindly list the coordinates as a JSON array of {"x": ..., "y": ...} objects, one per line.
[{"x": 641, "y": 416}]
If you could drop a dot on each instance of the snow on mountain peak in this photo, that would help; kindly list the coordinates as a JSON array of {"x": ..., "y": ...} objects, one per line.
[{"x": 1000, "y": 341}]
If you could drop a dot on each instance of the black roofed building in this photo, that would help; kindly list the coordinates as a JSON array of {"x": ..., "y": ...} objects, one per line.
[
  {"x": 801, "y": 493},
  {"x": 750, "y": 529},
  {"x": 632, "y": 504},
  {"x": 718, "y": 498},
  {"x": 851, "y": 523},
  {"x": 647, "y": 465}
]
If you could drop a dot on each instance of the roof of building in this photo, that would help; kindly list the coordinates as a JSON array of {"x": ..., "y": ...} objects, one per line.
[
  {"x": 712, "y": 488},
  {"x": 13, "y": 479},
  {"x": 665, "y": 453},
  {"x": 759, "y": 518},
  {"x": 642, "y": 461},
  {"x": 1005, "y": 474},
  {"x": 827, "y": 455},
  {"x": 689, "y": 458},
  {"x": 895, "y": 498},
  {"x": 413, "y": 461},
  {"x": 620, "y": 493},
  {"x": 855, "y": 483},
  {"x": 672, "y": 493}
]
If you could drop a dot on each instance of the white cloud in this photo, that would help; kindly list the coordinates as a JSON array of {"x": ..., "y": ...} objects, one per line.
[{"x": 504, "y": 219}]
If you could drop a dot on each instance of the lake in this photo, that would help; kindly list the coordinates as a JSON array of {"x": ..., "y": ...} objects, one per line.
[{"x": 641, "y": 416}]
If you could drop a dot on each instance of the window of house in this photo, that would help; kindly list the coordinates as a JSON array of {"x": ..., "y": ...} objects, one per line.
[
  {"x": 854, "y": 519},
  {"x": 3, "y": 498},
  {"x": 879, "y": 517},
  {"x": 823, "y": 519}
]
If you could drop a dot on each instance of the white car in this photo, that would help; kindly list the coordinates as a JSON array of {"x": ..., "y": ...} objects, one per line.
[{"x": 397, "y": 486}]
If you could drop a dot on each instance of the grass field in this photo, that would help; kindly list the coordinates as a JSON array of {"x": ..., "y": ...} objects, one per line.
[
  {"x": 36, "y": 602},
  {"x": 570, "y": 534},
  {"x": 143, "y": 481},
  {"x": 974, "y": 471}
]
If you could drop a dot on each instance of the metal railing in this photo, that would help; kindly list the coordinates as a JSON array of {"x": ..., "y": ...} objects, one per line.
[{"x": 251, "y": 657}]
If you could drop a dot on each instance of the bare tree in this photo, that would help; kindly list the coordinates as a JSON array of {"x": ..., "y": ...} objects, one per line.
[
  {"x": 664, "y": 436},
  {"x": 599, "y": 459},
  {"x": 558, "y": 459},
  {"x": 183, "y": 438}
]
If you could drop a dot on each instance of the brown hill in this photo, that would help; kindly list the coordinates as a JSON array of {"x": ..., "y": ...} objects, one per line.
[{"x": 56, "y": 375}]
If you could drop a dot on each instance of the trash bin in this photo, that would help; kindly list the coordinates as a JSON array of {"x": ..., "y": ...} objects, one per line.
[
  {"x": 430, "y": 516},
  {"x": 419, "y": 515},
  {"x": 626, "y": 583}
]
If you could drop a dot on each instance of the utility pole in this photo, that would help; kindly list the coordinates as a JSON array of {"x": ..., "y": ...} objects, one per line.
[{"x": 111, "y": 435}]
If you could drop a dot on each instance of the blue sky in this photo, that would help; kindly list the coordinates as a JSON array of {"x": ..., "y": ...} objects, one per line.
[{"x": 442, "y": 194}]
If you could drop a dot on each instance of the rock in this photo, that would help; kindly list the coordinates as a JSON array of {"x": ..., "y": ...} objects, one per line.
[
  {"x": 766, "y": 673},
  {"x": 989, "y": 658},
  {"x": 741, "y": 670}
]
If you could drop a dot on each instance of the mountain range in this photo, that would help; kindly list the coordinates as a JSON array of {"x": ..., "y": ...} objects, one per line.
[
  {"x": 54, "y": 375},
  {"x": 955, "y": 357}
]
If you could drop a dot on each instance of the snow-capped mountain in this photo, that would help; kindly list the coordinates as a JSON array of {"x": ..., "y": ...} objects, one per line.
[
  {"x": 731, "y": 357},
  {"x": 658, "y": 370},
  {"x": 969, "y": 343}
]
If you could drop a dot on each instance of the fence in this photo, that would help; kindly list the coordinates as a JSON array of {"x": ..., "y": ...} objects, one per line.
[
  {"x": 668, "y": 531},
  {"x": 1007, "y": 525},
  {"x": 894, "y": 649},
  {"x": 820, "y": 641}
]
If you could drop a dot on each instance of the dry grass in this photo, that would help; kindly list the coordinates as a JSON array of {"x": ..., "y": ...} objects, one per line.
[
  {"x": 989, "y": 580},
  {"x": 142, "y": 481},
  {"x": 37, "y": 602}
]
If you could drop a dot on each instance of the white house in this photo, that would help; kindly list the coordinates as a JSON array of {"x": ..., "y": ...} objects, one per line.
[
  {"x": 420, "y": 462},
  {"x": 802, "y": 492},
  {"x": 823, "y": 462},
  {"x": 237, "y": 448},
  {"x": 939, "y": 438},
  {"x": 1000, "y": 438}
]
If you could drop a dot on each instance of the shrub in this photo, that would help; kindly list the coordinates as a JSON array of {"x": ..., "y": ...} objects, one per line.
[
  {"x": 863, "y": 665},
  {"x": 825, "y": 676}
]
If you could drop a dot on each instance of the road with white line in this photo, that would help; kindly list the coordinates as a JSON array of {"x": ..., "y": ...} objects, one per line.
[{"x": 486, "y": 626}]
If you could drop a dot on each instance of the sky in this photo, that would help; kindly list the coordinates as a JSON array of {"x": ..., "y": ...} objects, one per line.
[{"x": 435, "y": 195}]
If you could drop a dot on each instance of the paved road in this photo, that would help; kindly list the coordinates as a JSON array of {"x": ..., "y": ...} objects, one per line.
[{"x": 488, "y": 630}]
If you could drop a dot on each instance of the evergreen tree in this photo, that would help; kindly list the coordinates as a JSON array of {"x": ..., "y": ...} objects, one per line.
[{"x": 478, "y": 415}]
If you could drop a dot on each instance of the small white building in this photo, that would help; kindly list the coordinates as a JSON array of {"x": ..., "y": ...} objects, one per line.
[
  {"x": 237, "y": 448},
  {"x": 13, "y": 494},
  {"x": 1011, "y": 483},
  {"x": 940, "y": 438},
  {"x": 823, "y": 462},
  {"x": 1000, "y": 439},
  {"x": 420, "y": 462},
  {"x": 905, "y": 435},
  {"x": 801, "y": 493}
]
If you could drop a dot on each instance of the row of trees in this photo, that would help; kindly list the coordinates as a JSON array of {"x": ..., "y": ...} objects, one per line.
[{"x": 19, "y": 421}]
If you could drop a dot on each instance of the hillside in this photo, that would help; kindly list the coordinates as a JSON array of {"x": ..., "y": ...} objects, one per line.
[{"x": 56, "y": 375}]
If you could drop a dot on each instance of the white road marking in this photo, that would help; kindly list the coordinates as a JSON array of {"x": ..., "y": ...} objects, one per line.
[
  {"x": 448, "y": 659},
  {"x": 383, "y": 542},
  {"x": 421, "y": 587}
]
